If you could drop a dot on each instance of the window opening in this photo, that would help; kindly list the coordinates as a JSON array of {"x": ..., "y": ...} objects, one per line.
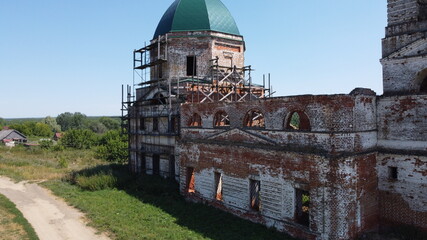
[
  {"x": 392, "y": 173},
  {"x": 160, "y": 71},
  {"x": 158, "y": 98},
  {"x": 191, "y": 66},
  {"x": 195, "y": 121},
  {"x": 142, "y": 124},
  {"x": 155, "y": 124},
  {"x": 422, "y": 15},
  {"x": 143, "y": 163},
  {"x": 190, "y": 180},
  {"x": 156, "y": 164},
  {"x": 298, "y": 121},
  {"x": 423, "y": 88},
  {"x": 254, "y": 118},
  {"x": 255, "y": 188},
  {"x": 218, "y": 186},
  {"x": 221, "y": 119},
  {"x": 173, "y": 127},
  {"x": 172, "y": 167},
  {"x": 302, "y": 207}
]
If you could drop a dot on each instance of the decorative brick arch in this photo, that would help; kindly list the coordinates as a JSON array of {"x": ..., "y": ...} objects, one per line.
[
  {"x": 221, "y": 119},
  {"x": 195, "y": 120},
  {"x": 298, "y": 120},
  {"x": 254, "y": 118}
]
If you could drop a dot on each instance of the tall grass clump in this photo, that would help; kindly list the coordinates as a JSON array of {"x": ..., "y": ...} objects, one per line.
[
  {"x": 95, "y": 179},
  {"x": 96, "y": 182}
]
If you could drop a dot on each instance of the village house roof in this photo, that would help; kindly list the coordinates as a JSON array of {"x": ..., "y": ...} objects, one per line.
[{"x": 11, "y": 134}]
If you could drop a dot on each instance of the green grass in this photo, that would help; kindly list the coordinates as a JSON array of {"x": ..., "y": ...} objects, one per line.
[
  {"x": 148, "y": 207},
  {"x": 12, "y": 224},
  {"x": 124, "y": 206},
  {"x": 21, "y": 163}
]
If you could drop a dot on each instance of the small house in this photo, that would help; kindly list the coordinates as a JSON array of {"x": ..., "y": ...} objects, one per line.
[{"x": 10, "y": 135}]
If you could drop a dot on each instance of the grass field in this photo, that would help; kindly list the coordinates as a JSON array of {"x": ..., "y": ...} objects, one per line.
[
  {"x": 13, "y": 226},
  {"x": 20, "y": 163},
  {"x": 124, "y": 206},
  {"x": 149, "y": 207}
]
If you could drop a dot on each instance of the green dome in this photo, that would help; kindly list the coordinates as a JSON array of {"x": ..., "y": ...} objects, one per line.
[{"x": 197, "y": 15}]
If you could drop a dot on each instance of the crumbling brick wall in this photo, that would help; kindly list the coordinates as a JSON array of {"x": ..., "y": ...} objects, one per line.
[
  {"x": 334, "y": 162},
  {"x": 402, "y": 162}
]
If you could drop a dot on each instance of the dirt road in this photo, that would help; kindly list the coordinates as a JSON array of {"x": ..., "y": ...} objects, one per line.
[{"x": 51, "y": 217}]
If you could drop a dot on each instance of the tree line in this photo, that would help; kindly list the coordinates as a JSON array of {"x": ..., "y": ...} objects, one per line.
[{"x": 103, "y": 134}]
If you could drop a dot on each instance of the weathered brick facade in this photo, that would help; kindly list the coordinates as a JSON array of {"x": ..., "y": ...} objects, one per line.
[
  {"x": 335, "y": 162},
  {"x": 316, "y": 167}
]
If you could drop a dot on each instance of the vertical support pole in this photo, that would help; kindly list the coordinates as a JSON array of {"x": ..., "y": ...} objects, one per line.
[{"x": 250, "y": 84}]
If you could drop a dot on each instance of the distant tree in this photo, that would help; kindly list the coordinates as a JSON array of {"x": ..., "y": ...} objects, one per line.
[
  {"x": 30, "y": 128},
  {"x": 79, "y": 139},
  {"x": 79, "y": 120},
  {"x": 69, "y": 120},
  {"x": 25, "y": 128},
  {"x": 113, "y": 147},
  {"x": 42, "y": 130},
  {"x": 110, "y": 123},
  {"x": 2, "y": 122},
  {"x": 65, "y": 120},
  {"x": 54, "y": 126},
  {"x": 96, "y": 126}
]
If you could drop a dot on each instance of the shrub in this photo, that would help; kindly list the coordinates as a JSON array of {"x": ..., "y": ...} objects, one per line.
[
  {"x": 113, "y": 147},
  {"x": 79, "y": 139},
  {"x": 96, "y": 182},
  {"x": 62, "y": 162},
  {"x": 46, "y": 144}
]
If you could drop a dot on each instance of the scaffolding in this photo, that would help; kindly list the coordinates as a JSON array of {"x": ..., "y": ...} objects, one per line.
[{"x": 154, "y": 96}]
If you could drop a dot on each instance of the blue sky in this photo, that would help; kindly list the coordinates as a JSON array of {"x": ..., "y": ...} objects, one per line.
[{"x": 58, "y": 55}]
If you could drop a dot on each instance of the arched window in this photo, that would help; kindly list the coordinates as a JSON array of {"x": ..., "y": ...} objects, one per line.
[
  {"x": 254, "y": 118},
  {"x": 221, "y": 119},
  {"x": 423, "y": 88},
  {"x": 195, "y": 121},
  {"x": 158, "y": 98},
  {"x": 298, "y": 120}
]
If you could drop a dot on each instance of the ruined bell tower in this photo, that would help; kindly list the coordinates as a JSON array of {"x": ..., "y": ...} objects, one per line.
[
  {"x": 405, "y": 48},
  {"x": 402, "y": 115}
]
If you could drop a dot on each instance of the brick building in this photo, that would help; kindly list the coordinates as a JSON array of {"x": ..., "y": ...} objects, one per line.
[{"x": 316, "y": 167}]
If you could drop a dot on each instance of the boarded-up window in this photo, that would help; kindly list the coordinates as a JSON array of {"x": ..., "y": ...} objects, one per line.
[
  {"x": 155, "y": 124},
  {"x": 218, "y": 186},
  {"x": 156, "y": 164},
  {"x": 191, "y": 66},
  {"x": 302, "y": 207},
  {"x": 195, "y": 121},
  {"x": 221, "y": 119},
  {"x": 254, "y": 118},
  {"x": 190, "y": 180},
  {"x": 298, "y": 120},
  {"x": 255, "y": 200}
]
